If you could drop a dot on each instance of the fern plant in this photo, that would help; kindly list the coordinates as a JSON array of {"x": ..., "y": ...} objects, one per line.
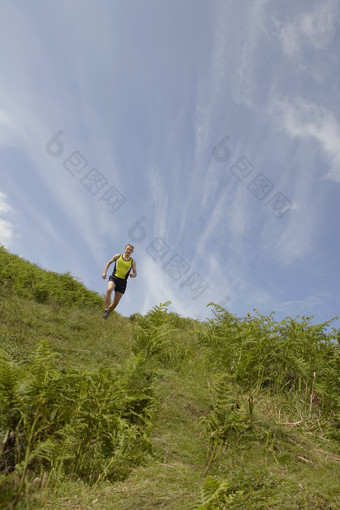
[
  {"x": 156, "y": 337},
  {"x": 260, "y": 352},
  {"x": 90, "y": 424},
  {"x": 229, "y": 420}
]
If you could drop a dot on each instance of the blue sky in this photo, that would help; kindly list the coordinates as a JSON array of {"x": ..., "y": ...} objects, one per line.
[{"x": 206, "y": 133}]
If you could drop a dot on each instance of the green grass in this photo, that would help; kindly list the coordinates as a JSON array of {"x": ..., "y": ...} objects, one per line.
[{"x": 159, "y": 411}]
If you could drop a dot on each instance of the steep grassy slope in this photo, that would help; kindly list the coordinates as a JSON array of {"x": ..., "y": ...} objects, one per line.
[{"x": 159, "y": 411}]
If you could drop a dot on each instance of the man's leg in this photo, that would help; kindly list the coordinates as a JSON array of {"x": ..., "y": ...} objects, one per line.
[
  {"x": 110, "y": 287},
  {"x": 116, "y": 299}
]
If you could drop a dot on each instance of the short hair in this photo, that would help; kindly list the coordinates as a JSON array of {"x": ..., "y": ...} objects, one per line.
[{"x": 129, "y": 244}]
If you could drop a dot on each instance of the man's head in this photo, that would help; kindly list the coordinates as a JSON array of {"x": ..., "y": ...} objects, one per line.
[{"x": 129, "y": 248}]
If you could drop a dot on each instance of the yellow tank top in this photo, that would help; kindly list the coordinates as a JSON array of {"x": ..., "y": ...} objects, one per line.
[{"x": 122, "y": 267}]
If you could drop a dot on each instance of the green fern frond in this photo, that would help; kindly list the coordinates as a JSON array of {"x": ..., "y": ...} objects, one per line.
[{"x": 8, "y": 377}]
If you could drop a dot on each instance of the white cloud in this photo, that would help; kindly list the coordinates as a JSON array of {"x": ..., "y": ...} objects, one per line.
[
  {"x": 6, "y": 233},
  {"x": 230, "y": 67},
  {"x": 33, "y": 118},
  {"x": 160, "y": 198},
  {"x": 160, "y": 289},
  {"x": 6, "y": 227},
  {"x": 309, "y": 121},
  {"x": 316, "y": 29},
  {"x": 4, "y": 206},
  {"x": 7, "y": 129}
]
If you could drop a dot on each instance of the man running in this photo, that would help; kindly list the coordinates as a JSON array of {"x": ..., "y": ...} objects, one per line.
[{"x": 124, "y": 263}]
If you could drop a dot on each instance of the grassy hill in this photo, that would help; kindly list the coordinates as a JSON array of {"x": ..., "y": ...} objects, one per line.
[{"x": 160, "y": 411}]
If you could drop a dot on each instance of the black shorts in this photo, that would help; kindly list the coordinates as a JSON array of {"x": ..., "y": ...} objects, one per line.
[{"x": 119, "y": 282}]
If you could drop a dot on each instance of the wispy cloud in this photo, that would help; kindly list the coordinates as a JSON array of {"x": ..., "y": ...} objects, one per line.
[
  {"x": 305, "y": 120},
  {"x": 7, "y": 129},
  {"x": 162, "y": 289},
  {"x": 144, "y": 95},
  {"x": 6, "y": 233},
  {"x": 30, "y": 116},
  {"x": 4, "y": 206},
  {"x": 315, "y": 28},
  {"x": 6, "y": 227}
]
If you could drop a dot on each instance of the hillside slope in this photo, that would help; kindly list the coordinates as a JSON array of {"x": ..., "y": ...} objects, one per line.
[{"x": 160, "y": 411}]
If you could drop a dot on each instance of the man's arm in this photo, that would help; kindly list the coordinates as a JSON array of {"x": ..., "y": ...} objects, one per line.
[
  {"x": 115, "y": 257},
  {"x": 134, "y": 269}
]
